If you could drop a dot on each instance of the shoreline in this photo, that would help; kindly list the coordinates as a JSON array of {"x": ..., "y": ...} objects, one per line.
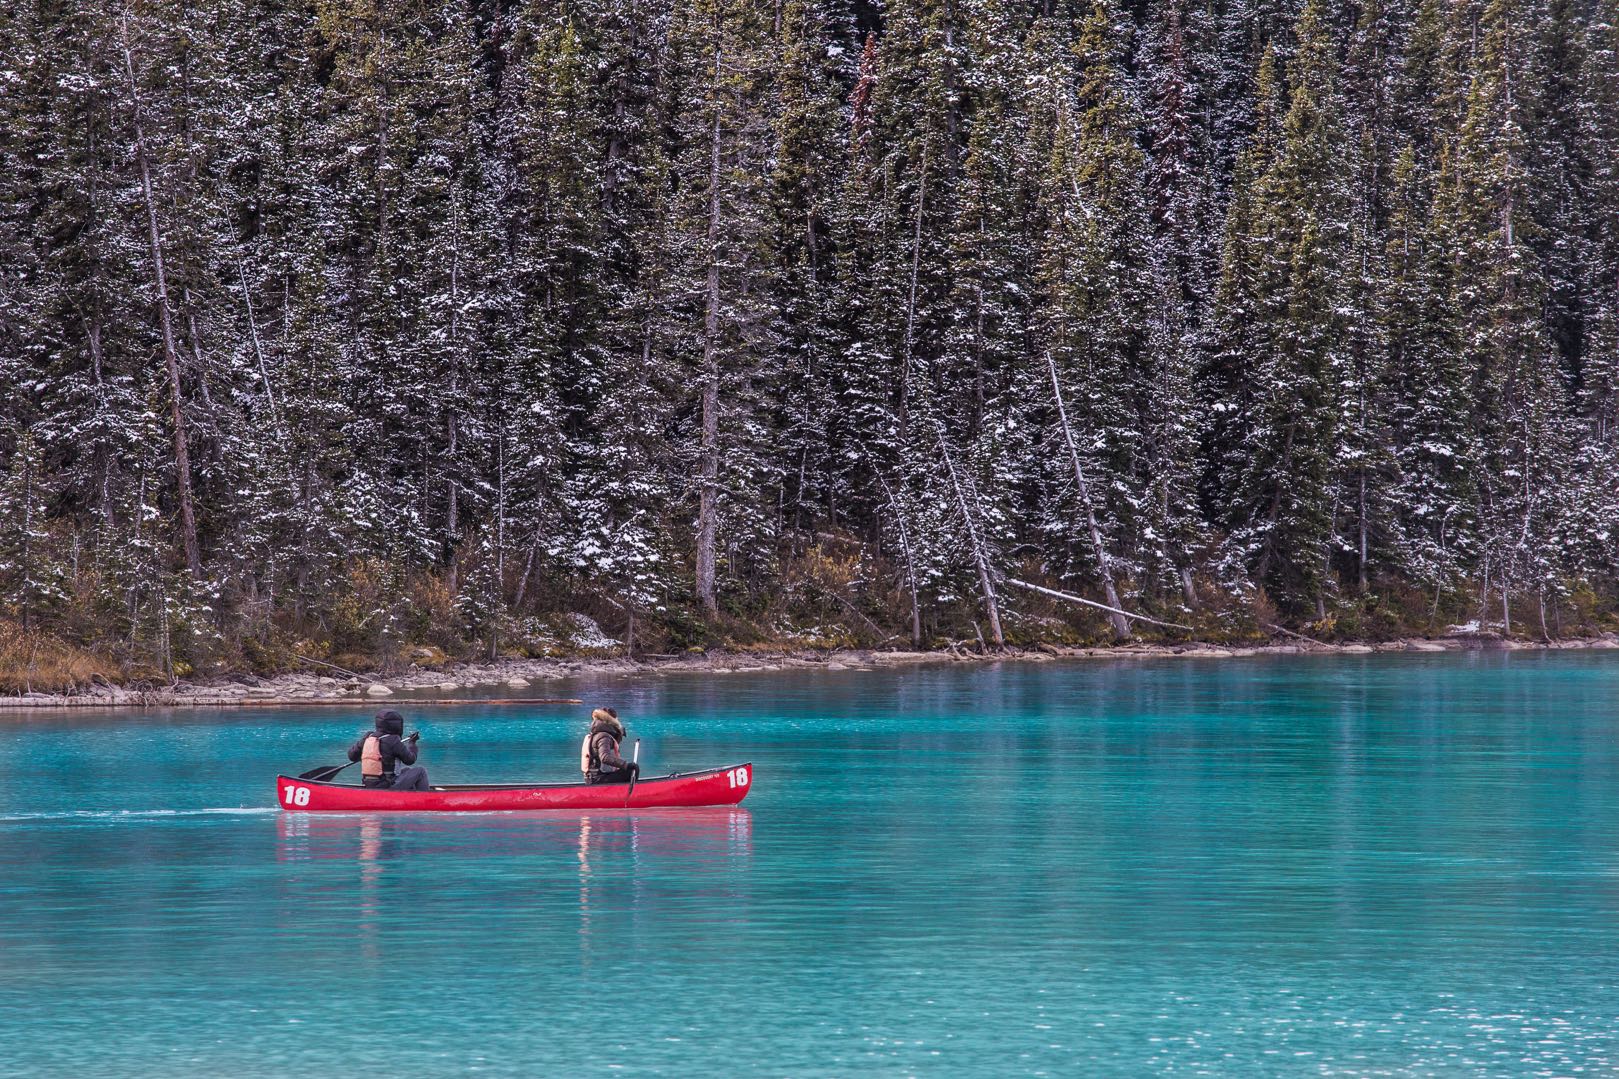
[{"x": 512, "y": 677}]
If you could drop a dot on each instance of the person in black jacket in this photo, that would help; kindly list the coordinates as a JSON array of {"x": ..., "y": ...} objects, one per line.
[{"x": 380, "y": 751}]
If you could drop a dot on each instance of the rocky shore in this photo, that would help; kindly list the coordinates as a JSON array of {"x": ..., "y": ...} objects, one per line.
[{"x": 535, "y": 678}]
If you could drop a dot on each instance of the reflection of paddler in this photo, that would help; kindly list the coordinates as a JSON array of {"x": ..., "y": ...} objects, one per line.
[
  {"x": 705, "y": 832},
  {"x": 370, "y": 869},
  {"x": 599, "y": 757}
]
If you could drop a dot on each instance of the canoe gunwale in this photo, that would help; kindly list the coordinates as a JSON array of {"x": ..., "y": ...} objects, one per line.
[
  {"x": 510, "y": 786},
  {"x": 710, "y": 787}
]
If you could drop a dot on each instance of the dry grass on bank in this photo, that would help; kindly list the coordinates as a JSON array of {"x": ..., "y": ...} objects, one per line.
[{"x": 31, "y": 661}]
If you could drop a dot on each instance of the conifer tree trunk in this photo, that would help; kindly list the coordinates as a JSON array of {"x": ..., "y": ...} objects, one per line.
[
  {"x": 986, "y": 582},
  {"x": 171, "y": 357},
  {"x": 1120, "y": 624},
  {"x": 709, "y": 451},
  {"x": 452, "y": 502},
  {"x": 258, "y": 355},
  {"x": 1363, "y": 530},
  {"x": 910, "y": 304},
  {"x": 910, "y": 562},
  {"x": 1274, "y": 513},
  {"x": 25, "y": 568}
]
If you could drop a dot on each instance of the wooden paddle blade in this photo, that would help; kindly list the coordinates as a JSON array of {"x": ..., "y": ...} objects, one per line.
[{"x": 320, "y": 775}]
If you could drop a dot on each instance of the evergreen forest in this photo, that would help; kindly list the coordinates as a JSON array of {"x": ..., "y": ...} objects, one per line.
[{"x": 360, "y": 330}]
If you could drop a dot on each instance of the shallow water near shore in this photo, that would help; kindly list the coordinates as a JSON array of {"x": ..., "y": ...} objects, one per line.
[{"x": 1348, "y": 865}]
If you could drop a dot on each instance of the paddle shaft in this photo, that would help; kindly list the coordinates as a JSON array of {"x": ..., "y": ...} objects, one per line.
[
  {"x": 324, "y": 775},
  {"x": 635, "y": 758}
]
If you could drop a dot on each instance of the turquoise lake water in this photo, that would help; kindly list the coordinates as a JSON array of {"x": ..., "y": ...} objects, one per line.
[{"x": 1381, "y": 865}]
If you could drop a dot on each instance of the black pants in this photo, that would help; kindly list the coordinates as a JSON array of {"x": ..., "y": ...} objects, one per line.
[
  {"x": 413, "y": 778},
  {"x": 619, "y": 775}
]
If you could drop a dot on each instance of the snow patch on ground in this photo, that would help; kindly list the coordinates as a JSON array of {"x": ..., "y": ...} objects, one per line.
[{"x": 586, "y": 633}]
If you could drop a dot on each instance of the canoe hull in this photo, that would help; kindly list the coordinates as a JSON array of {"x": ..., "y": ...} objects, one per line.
[{"x": 715, "y": 787}]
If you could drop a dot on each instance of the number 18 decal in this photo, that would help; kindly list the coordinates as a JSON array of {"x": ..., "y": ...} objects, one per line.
[
  {"x": 738, "y": 777},
  {"x": 296, "y": 796}
]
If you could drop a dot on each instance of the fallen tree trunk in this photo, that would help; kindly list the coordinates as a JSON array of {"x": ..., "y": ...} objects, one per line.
[
  {"x": 335, "y": 667},
  {"x": 1290, "y": 633},
  {"x": 1092, "y": 603}
]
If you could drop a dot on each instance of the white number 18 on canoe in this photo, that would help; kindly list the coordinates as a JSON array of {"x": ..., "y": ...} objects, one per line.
[
  {"x": 294, "y": 795},
  {"x": 738, "y": 776}
]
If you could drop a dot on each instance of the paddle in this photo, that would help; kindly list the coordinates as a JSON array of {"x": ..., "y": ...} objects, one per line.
[
  {"x": 323, "y": 775},
  {"x": 635, "y": 758}
]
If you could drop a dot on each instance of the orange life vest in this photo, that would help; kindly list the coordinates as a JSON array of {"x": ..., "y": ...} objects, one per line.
[
  {"x": 584, "y": 753},
  {"x": 371, "y": 757}
]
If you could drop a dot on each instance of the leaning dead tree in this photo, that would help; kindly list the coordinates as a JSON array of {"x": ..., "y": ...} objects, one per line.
[
  {"x": 1119, "y": 612},
  {"x": 910, "y": 561},
  {"x": 986, "y": 581},
  {"x": 171, "y": 352},
  {"x": 1121, "y": 626}
]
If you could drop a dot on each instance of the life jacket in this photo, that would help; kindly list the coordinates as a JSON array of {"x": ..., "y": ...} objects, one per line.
[
  {"x": 601, "y": 722},
  {"x": 371, "y": 757},
  {"x": 589, "y": 757}
]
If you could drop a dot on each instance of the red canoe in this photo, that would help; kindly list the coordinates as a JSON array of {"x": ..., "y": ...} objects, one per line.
[{"x": 715, "y": 787}]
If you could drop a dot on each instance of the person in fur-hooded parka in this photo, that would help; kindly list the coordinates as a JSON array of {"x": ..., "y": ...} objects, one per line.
[{"x": 599, "y": 757}]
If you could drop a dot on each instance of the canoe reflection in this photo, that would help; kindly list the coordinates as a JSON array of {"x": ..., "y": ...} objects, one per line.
[
  {"x": 374, "y": 839},
  {"x": 608, "y": 869}
]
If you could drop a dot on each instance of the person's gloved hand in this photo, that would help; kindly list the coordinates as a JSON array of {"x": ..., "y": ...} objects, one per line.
[
  {"x": 415, "y": 736},
  {"x": 634, "y": 767}
]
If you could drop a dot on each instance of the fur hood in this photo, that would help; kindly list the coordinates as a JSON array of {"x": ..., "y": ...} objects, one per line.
[{"x": 602, "y": 720}]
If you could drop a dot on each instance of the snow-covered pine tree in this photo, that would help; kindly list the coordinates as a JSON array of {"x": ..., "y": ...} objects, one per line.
[
  {"x": 807, "y": 165},
  {"x": 894, "y": 223},
  {"x": 1598, "y": 110},
  {"x": 1499, "y": 295},
  {"x": 1434, "y": 528},
  {"x": 1593, "y": 497},
  {"x": 990, "y": 244},
  {"x": 1091, "y": 319},
  {"x": 556, "y": 368},
  {"x": 1366, "y": 470},
  {"x": 32, "y": 579},
  {"x": 1243, "y": 302},
  {"x": 718, "y": 75},
  {"x": 1281, "y": 486}
]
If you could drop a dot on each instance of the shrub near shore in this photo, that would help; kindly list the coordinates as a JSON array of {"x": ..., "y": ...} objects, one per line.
[{"x": 37, "y": 662}]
